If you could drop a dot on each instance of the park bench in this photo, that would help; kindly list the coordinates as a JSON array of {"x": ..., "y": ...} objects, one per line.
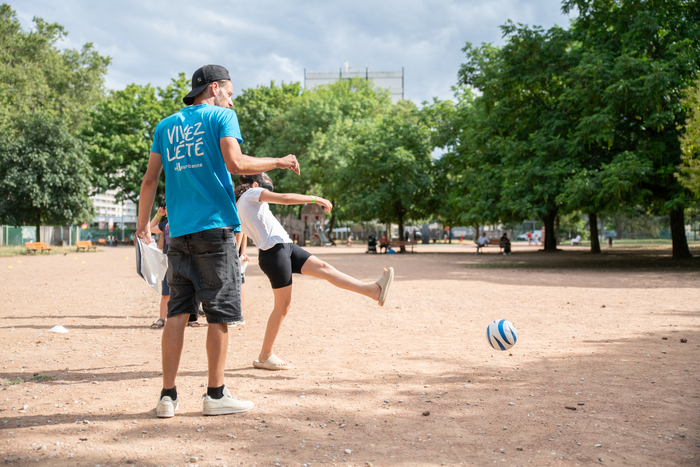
[
  {"x": 85, "y": 245},
  {"x": 37, "y": 246},
  {"x": 479, "y": 247},
  {"x": 404, "y": 243},
  {"x": 102, "y": 242}
]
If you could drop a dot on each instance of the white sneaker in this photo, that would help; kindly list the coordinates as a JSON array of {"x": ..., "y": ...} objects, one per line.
[
  {"x": 226, "y": 405},
  {"x": 166, "y": 407}
]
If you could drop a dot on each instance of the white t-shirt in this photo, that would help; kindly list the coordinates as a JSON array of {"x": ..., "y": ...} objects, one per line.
[{"x": 257, "y": 221}]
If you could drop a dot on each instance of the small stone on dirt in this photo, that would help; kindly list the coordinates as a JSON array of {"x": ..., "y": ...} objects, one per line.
[
  {"x": 684, "y": 340},
  {"x": 519, "y": 448},
  {"x": 192, "y": 460},
  {"x": 426, "y": 413}
]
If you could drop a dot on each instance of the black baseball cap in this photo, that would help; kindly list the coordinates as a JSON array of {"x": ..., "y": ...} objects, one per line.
[{"x": 202, "y": 78}]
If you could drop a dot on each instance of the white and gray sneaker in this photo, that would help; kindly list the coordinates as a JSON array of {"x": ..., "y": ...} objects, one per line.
[
  {"x": 226, "y": 405},
  {"x": 166, "y": 407}
]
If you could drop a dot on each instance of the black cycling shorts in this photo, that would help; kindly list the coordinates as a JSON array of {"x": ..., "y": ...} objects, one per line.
[{"x": 281, "y": 261}]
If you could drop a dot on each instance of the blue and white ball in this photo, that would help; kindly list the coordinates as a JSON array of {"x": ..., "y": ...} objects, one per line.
[{"x": 501, "y": 334}]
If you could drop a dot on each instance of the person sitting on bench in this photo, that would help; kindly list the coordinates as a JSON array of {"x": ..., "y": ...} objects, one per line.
[
  {"x": 481, "y": 242},
  {"x": 505, "y": 244},
  {"x": 383, "y": 244},
  {"x": 576, "y": 240}
]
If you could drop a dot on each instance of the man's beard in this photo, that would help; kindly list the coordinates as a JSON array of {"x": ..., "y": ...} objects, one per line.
[{"x": 220, "y": 99}]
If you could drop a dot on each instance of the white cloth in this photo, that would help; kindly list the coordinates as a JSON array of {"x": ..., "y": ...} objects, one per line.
[
  {"x": 483, "y": 240},
  {"x": 257, "y": 221},
  {"x": 151, "y": 263}
]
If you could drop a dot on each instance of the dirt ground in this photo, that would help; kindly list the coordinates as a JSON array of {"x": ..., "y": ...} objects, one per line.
[{"x": 601, "y": 373}]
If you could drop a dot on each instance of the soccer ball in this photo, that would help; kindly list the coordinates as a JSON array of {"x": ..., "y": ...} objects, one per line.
[{"x": 501, "y": 334}]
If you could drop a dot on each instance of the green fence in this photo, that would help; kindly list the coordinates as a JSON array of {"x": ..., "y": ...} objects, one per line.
[
  {"x": 18, "y": 235},
  {"x": 94, "y": 234},
  {"x": 60, "y": 235}
]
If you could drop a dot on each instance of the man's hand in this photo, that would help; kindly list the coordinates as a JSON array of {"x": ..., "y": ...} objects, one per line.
[
  {"x": 144, "y": 233},
  {"x": 243, "y": 258},
  {"x": 290, "y": 162},
  {"x": 161, "y": 212}
]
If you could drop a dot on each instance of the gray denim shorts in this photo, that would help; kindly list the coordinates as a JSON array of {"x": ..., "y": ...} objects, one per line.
[{"x": 204, "y": 266}]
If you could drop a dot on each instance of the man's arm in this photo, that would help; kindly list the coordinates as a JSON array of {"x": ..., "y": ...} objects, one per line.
[
  {"x": 240, "y": 164},
  {"x": 147, "y": 196}
]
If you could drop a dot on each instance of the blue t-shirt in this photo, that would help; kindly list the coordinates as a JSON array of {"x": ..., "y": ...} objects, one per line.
[{"x": 198, "y": 187}]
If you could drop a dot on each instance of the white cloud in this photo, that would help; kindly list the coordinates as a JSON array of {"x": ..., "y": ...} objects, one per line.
[{"x": 151, "y": 41}]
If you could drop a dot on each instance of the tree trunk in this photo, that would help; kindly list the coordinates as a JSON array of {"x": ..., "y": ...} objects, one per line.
[
  {"x": 556, "y": 229},
  {"x": 38, "y": 227},
  {"x": 331, "y": 227},
  {"x": 476, "y": 235},
  {"x": 680, "y": 242},
  {"x": 550, "y": 241},
  {"x": 398, "y": 210},
  {"x": 593, "y": 225}
]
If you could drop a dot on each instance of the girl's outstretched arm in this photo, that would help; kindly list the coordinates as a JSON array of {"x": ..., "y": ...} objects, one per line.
[{"x": 293, "y": 198}]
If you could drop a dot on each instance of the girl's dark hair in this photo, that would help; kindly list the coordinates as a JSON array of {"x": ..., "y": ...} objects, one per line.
[{"x": 246, "y": 183}]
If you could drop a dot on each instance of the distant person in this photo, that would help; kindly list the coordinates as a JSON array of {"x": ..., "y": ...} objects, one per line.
[
  {"x": 350, "y": 240},
  {"x": 529, "y": 237},
  {"x": 383, "y": 244},
  {"x": 542, "y": 236},
  {"x": 481, "y": 242},
  {"x": 576, "y": 240},
  {"x": 505, "y": 243},
  {"x": 199, "y": 148},
  {"x": 279, "y": 258},
  {"x": 610, "y": 242}
]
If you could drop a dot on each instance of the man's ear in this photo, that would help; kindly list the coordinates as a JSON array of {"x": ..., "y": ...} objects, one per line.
[{"x": 255, "y": 185}]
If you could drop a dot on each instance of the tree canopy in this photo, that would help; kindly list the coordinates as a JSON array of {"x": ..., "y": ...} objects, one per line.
[
  {"x": 120, "y": 135},
  {"x": 36, "y": 75},
  {"x": 44, "y": 174}
]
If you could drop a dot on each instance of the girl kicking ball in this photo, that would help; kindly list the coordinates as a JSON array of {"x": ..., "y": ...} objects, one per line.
[{"x": 279, "y": 257}]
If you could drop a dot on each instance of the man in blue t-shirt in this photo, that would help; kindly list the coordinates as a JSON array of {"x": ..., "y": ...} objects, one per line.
[{"x": 198, "y": 148}]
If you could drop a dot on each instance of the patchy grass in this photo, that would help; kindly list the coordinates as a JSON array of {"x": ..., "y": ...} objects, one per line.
[
  {"x": 16, "y": 250},
  {"x": 505, "y": 266},
  {"x": 12, "y": 382},
  {"x": 651, "y": 243},
  {"x": 43, "y": 378}
]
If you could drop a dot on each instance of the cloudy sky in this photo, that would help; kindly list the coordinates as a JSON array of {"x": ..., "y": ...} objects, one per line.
[{"x": 150, "y": 41}]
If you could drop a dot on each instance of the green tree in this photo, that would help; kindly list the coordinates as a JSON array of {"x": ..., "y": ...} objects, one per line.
[
  {"x": 36, "y": 75},
  {"x": 386, "y": 174},
  {"x": 515, "y": 155},
  {"x": 44, "y": 174},
  {"x": 307, "y": 117},
  {"x": 258, "y": 111},
  {"x": 120, "y": 135},
  {"x": 638, "y": 58},
  {"x": 689, "y": 174}
]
